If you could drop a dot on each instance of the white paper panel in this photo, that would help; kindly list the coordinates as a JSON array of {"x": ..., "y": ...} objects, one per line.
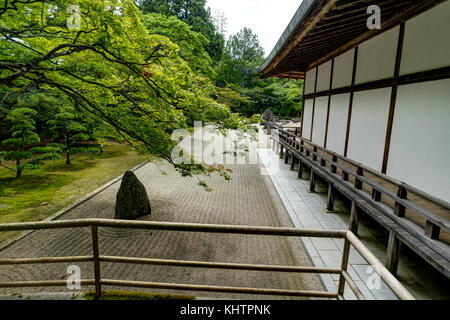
[
  {"x": 320, "y": 118},
  {"x": 427, "y": 41},
  {"x": 376, "y": 57},
  {"x": 420, "y": 143},
  {"x": 337, "y": 124},
  {"x": 343, "y": 69},
  {"x": 306, "y": 132},
  {"x": 324, "y": 76},
  {"x": 310, "y": 81},
  {"x": 368, "y": 127}
]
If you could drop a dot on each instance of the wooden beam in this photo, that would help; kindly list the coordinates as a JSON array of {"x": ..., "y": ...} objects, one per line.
[
  {"x": 328, "y": 107},
  {"x": 314, "y": 105},
  {"x": 309, "y": 25},
  {"x": 303, "y": 107},
  {"x": 390, "y": 120},
  {"x": 422, "y": 76},
  {"x": 386, "y": 24},
  {"x": 350, "y": 105}
]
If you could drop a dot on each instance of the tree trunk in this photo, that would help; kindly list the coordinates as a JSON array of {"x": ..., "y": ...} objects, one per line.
[
  {"x": 18, "y": 170},
  {"x": 67, "y": 150},
  {"x": 67, "y": 157}
]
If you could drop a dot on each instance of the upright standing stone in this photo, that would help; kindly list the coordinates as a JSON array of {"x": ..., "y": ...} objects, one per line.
[
  {"x": 132, "y": 200},
  {"x": 268, "y": 116}
]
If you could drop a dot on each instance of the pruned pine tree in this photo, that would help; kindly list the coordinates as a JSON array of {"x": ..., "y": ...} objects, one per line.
[
  {"x": 68, "y": 132},
  {"x": 22, "y": 136}
]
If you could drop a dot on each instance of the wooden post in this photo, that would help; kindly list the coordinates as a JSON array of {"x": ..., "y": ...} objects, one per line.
[
  {"x": 293, "y": 161},
  {"x": 333, "y": 167},
  {"x": 393, "y": 253},
  {"x": 354, "y": 218},
  {"x": 344, "y": 176},
  {"x": 312, "y": 181},
  {"x": 314, "y": 156},
  {"x": 432, "y": 231},
  {"x": 300, "y": 169},
  {"x": 330, "y": 201},
  {"x": 281, "y": 151},
  {"x": 95, "y": 250},
  {"x": 344, "y": 266},
  {"x": 286, "y": 157},
  {"x": 358, "y": 183},
  {"x": 400, "y": 210},
  {"x": 376, "y": 195},
  {"x": 302, "y": 143}
]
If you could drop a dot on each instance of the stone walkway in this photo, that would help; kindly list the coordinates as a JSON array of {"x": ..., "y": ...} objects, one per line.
[
  {"x": 307, "y": 211},
  {"x": 248, "y": 199}
]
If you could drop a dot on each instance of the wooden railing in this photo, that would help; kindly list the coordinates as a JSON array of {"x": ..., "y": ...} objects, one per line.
[
  {"x": 350, "y": 240},
  {"x": 307, "y": 153}
]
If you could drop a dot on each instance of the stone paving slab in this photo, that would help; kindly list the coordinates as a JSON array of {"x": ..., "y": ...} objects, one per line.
[{"x": 307, "y": 211}]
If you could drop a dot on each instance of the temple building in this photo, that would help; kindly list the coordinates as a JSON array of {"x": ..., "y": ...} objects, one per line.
[
  {"x": 376, "y": 113},
  {"x": 377, "y": 96}
]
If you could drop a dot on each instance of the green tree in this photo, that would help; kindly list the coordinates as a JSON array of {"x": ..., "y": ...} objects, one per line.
[
  {"x": 194, "y": 13},
  {"x": 243, "y": 54},
  {"x": 69, "y": 131},
  {"x": 283, "y": 97},
  {"x": 22, "y": 136},
  {"x": 191, "y": 44},
  {"x": 110, "y": 67}
]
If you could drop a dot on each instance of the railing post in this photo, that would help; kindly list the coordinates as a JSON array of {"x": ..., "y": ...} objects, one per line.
[
  {"x": 393, "y": 253},
  {"x": 358, "y": 183},
  {"x": 330, "y": 201},
  {"x": 302, "y": 143},
  {"x": 293, "y": 161},
  {"x": 376, "y": 195},
  {"x": 286, "y": 157},
  {"x": 432, "y": 231},
  {"x": 400, "y": 210},
  {"x": 314, "y": 154},
  {"x": 95, "y": 250},
  {"x": 281, "y": 151},
  {"x": 394, "y": 244},
  {"x": 300, "y": 169},
  {"x": 344, "y": 266},
  {"x": 333, "y": 167},
  {"x": 312, "y": 181},
  {"x": 344, "y": 176},
  {"x": 354, "y": 218}
]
